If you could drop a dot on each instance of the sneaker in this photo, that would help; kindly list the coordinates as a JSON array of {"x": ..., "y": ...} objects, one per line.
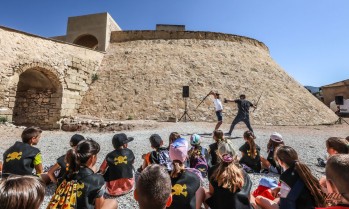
[
  {"x": 227, "y": 134},
  {"x": 321, "y": 162}
]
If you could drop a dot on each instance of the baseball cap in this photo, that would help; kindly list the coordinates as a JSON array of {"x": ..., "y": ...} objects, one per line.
[
  {"x": 195, "y": 139},
  {"x": 179, "y": 150},
  {"x": 155, "y": 140},
  {"x": 268, "y": 182},
  {"x": 276, "y": 137},
  {"x": 226, "y": 148},
  {"x": 121, "y": 139},
  {"x": 75, "y": 139}
]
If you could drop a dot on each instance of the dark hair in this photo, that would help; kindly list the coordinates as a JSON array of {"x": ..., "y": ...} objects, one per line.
[
  {"x": 249, "y": 136},
  {"x": 75, "y": 139},
  {"x": 153, "y": 187},
  {"x": 242, "y": 96},
  {"x": 337, "y": 169},
  {"x": 338, "y": 144},
  {"x": 18, "y": 192},
  {"x": 218, "y": 134},
  {"x": 273, "y": 144},
  {"x": 29, "y": 133},
  {"x": 178, "y": 168},
  {"x": 289, "y": 156},
  {"x": 81, "y": 154},
  {"x": 347, "y": 138},
  {"x": 173, "y": 136}
]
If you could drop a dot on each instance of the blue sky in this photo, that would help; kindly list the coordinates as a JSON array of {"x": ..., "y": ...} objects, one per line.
[{"x": 309, "y": 39}]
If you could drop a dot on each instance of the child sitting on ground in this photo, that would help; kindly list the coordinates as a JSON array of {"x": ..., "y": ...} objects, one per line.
[
  {"x": 337, "y": 170},
  {"x": 230, "y": 186},
  {"x": 117, "y": 168},
  {"x": 198, "y": 155},
  {"x": 218, "y": 137},
  {"x": 89, "y": 185},
  {"x": 159, "y": 156},
  {"x": 267, "y": 188},
  {"x": 186, "y": 190},
  {"x": 153, "y": 190},
  {"x": 299, "y": 188},
  {"x": 18, "y": 192},
  {"x": 23, "y": 157},
  {"x": 334, "y": 145},
  {"x": 61, "y": 164},
  {"x": 250, "y": 154},
  {"x": 275, "y": 141}
]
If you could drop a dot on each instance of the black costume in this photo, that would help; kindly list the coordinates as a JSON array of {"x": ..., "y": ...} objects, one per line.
[
  {"x": 243, "y": 114},
  {"x": 223, "y": 198},
  {"x": 184, "y": 188},
  {"x": 253, "y": 163},
  {"x": 19, "y": 159}
]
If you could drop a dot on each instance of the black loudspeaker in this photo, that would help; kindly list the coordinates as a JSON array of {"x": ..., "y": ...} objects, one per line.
[
  {"x": 185, "y": 91},
  {"x": 339, "y": 100}
]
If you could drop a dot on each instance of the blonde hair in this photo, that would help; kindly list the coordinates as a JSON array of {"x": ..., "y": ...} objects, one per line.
[
  {"x": 178, "y": 168},
  {"x": 228, "y": 174}
]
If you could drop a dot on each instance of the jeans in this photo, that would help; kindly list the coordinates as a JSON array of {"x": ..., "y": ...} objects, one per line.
[{"x": 239, "y": 118}]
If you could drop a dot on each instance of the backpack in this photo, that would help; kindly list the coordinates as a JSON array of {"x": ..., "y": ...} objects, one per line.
[
  {"x": 64, "y": 196},
  {"x": 198, "y": 161},
  {"x": 161, "y": 157}
]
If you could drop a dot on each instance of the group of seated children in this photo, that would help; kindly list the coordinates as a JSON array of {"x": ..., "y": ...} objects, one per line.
[{"x": 172, "y": 176}]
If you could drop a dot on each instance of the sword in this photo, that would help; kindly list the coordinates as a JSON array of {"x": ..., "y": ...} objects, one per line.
[
  {"x": 203, "y": 100},
  {"x": 257, "y": 102}
]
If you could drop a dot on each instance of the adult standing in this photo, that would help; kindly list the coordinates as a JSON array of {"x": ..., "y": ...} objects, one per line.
[
  {"x": 218, "y": 108},
  {"x": 243, "y": 112}
]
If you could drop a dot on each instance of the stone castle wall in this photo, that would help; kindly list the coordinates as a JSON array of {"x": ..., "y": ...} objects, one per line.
[
  {"x": 141, "y": 77},
  {"x": 124, "y": 36},
  {"x": 144, "y": 72},
  {"x": 67, "y": 66}
]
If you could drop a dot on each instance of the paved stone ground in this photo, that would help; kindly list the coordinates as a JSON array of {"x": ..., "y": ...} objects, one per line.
[{"x": 309, "y": 142}]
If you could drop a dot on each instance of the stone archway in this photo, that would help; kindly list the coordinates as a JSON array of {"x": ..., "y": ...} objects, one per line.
[
  {"x": 87, "y": 40},
  {"x": 38, "y": 99}
]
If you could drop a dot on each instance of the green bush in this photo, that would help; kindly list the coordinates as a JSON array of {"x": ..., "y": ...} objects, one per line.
[
  {"x": 3, "y": 119},
  {"x": 94, "y": 77}
]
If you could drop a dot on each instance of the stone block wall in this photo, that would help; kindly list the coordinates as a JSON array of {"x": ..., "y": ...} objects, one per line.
[
  {"x": 66, "y": 65},
  {"x": 144, "y": 77},
  {"x": 37, "y": 108}
]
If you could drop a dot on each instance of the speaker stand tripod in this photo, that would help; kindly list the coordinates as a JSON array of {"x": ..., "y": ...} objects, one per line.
[
  {"x": 185, "y": 114},
  {"x": 339, "y": 121}
]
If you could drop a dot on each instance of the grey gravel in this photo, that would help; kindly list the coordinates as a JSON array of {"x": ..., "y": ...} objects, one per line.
[{"x": 308, "y": 141}]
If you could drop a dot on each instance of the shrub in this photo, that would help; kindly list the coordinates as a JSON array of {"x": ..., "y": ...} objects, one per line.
[{"x": 3, "y": 119}]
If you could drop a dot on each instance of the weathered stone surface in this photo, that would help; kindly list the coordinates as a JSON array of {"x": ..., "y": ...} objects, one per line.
[
  {"x": 141, "y": 77},
  {"x": 42, "y": 59},
  {"x": 144, "y": 80}
]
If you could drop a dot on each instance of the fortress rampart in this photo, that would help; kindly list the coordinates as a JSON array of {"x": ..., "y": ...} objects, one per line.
[
  {"x": 141, "y": 74},
  {"x": 124, "y": 36}
]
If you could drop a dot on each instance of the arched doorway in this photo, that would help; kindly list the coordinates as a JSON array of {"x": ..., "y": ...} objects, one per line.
[
  {"x": 38, "y": 99},
  {"x": 88, "y": 41}
]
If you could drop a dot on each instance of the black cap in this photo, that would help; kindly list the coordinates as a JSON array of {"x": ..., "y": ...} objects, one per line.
[
  {"x": 75, "y": 139},
  {"x": 121, "y": 139},
  {"x": 155, "y": 140}
]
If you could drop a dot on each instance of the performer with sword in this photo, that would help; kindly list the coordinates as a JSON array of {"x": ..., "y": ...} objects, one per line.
[
  {"x": 218, "y": 107},
  {"x": 243, "y": 112}
]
